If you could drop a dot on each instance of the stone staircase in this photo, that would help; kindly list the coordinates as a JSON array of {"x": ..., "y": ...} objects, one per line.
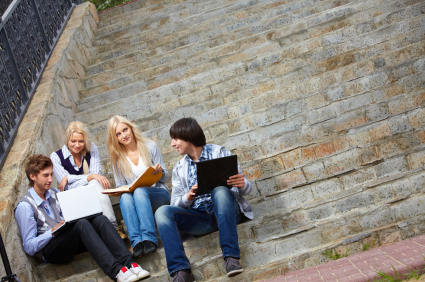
[{"x": 322, "y": 100}]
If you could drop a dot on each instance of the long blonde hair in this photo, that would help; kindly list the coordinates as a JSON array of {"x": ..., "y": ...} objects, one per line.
[
  {"x": 116, "y": 150},
  {"x": 79, "y": 127}
]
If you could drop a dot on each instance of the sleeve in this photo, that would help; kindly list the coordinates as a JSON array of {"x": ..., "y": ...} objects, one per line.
[
  {"x": 157, "y": 159},
  {"x": 60, "y": 172},
  {"x": 247, "y": 185},
  {"x": 28, "y": 228},
  {"x": 95, "y": 166},
  {"x": 119, "y": 181},
  {"x": 178, "y": 195}
]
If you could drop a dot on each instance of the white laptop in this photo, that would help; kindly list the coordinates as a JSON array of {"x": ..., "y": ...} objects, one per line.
[{"x": 78, "y": 203}]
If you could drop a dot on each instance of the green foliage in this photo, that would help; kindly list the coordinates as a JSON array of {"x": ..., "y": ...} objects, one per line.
[
  {"x": 106, "y": 4},
  {"x": 334, "y": 256},
  {"x": 366, "y": 246}
]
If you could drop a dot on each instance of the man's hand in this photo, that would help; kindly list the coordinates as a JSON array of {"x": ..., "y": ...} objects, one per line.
[
  {"x": 157, "y": 169},
  {"x": 104, "y": 182},
  {"x": 192, "y": 193},
  {"x": 237, "y": 180},
  {"x": 62, "y": 184},
  {"x": 58, "y": 225}
]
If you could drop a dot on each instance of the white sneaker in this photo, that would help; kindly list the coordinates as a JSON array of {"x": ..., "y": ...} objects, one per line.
[
  {"x": 138, "y": 271},
  {"x": 125, "y": 275}
]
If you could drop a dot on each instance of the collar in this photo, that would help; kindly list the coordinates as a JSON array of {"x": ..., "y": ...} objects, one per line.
[
  {"x": 203, "y": 156},
  {"x": 65, "y": 152},
  {"x": 37, "y": 198}
]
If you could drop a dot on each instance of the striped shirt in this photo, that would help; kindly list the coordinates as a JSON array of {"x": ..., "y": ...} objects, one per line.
[{"x": 75, "y": 181}]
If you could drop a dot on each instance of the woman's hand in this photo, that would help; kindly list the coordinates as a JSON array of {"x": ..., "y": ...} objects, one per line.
[
  {"x": 192, "y": 193},
  {"x": 157, "y": 169},
  {"x": 61, "y": 185},
  {"x": 237, "y": 180},
  {"x": 104, "y": 182}
]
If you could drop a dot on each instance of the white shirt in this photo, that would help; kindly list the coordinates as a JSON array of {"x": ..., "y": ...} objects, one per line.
[{"x": 137, "y": 170}]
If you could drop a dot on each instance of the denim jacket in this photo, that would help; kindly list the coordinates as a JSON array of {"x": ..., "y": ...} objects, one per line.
[
  {"x": 156, "y": 158},
  {"x": 181, "y": 186}
]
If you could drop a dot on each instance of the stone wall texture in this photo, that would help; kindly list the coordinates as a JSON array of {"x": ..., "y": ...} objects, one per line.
[
  {"x": 322, "y": 101},
  {"x": 42, "y": 129}
]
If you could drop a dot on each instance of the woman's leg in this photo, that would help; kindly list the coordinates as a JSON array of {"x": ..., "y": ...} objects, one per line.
[
  {"x": 105, "y": 203},
  {"x": 148, "y": 200},
  {"x": 129, "y": 214}
]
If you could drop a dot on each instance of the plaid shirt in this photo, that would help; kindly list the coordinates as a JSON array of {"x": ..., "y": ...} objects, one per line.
[{"x": 192, "y": 177}]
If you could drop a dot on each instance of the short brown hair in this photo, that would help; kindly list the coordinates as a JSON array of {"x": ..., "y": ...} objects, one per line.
[
  {"x": 36, "y": 164},
  {"x": 188, "y": 129}
]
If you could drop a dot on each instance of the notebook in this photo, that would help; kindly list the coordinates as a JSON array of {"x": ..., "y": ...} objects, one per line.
[
  {"x": 78, "y": 203},
  {"x": 216, "y": 172}
]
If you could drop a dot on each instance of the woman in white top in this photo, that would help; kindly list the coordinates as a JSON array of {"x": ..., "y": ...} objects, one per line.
[
  {"x": 78, "y": 164},
  {"x": 130, "y": 154}
]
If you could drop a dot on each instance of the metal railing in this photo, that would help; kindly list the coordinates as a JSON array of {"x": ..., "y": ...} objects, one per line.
[{"x": 29, "y": 30}]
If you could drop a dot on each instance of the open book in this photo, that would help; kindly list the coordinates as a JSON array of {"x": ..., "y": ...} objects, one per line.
[{"x": 146, "y": 179}]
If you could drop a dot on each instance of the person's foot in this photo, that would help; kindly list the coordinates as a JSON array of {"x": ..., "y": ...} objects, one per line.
[
  {"x": 122, "y": 235},
  {"x": 125, "y": 275},
  {"x": 138, "y": 250},
  {"x": 150, "y": 247},
  {"x": 139, "y": 271},
  {"x": 233, "y": 266},
  {"x": 183, "y": 276}
]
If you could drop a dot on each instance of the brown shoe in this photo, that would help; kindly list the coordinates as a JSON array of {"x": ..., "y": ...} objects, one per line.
[{"x": 122, "y": 235}]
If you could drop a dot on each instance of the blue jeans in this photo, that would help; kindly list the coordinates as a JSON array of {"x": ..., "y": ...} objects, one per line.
[
  {"x": 223, "y": 215},
  {"x": 138, "y": 209}
]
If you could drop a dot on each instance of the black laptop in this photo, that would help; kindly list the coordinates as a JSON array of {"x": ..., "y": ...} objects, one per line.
[{"x": 216, "y": 172}]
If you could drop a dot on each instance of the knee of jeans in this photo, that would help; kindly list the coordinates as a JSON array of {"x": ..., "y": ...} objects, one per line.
[
  {"x": 126, "y": 197},
  {"x": 162, "y": 215},
  {"x": 221, "y": 192},
  {"x": 82, "y": 224}
]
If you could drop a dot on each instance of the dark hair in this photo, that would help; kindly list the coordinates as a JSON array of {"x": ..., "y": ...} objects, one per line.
[
  {"x": 36, "y": 164},
  {"x": 188, "y": 129}
]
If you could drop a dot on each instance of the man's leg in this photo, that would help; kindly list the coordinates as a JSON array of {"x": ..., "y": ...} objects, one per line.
[
  {"x": 82, "y": 235},
  {"x": 170, "y": 220},
  {"x": 228, "y": 215},
  {"x": 128, "y": 210},
  {"x": 148, "y": 200},
  {"x": 105, "y": 203},
  {"x": 112, "y": 240}
]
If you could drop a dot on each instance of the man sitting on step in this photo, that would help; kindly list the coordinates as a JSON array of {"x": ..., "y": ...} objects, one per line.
[
  {"x": 222, "y": 209},
  {"x": 38, "y": 214}
]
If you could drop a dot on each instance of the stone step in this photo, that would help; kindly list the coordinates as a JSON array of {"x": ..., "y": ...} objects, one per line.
[
  {"x": 302, "y": 224},
  {"x": 155, "y": 95},
  {"x": 245, "y": 54},
  {"x": 122, "y": 10},
  {"x": 253, "y": 23},
  {"x": 158, "y": 15}
]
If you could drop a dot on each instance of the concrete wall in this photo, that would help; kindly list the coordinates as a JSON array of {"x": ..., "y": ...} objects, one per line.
[{"x": 43, "y": 126}]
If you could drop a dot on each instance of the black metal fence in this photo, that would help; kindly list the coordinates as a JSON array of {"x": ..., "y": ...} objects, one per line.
[{"x": 29, "y": 30}]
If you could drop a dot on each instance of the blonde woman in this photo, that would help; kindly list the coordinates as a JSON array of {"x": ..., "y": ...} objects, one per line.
[
  {"x": 78, "y": 164},
  {"x": 130, "y": 154}
]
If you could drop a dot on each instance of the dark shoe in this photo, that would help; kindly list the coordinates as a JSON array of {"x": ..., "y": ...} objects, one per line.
[
  {"x": 182, "y": 276},
  {"x": 233, "y": 266},
  {"x": 149, "y": 247},
  {"x": 138, "y": 250}
]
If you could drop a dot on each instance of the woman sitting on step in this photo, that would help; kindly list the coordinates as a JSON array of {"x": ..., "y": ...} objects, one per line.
[
  {"x": 78, "y": 164},
  {"x": 130, "y": 154}
]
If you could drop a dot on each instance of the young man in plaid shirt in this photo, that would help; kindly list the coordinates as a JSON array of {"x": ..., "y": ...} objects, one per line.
[{"x": 222, "y": 209}]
